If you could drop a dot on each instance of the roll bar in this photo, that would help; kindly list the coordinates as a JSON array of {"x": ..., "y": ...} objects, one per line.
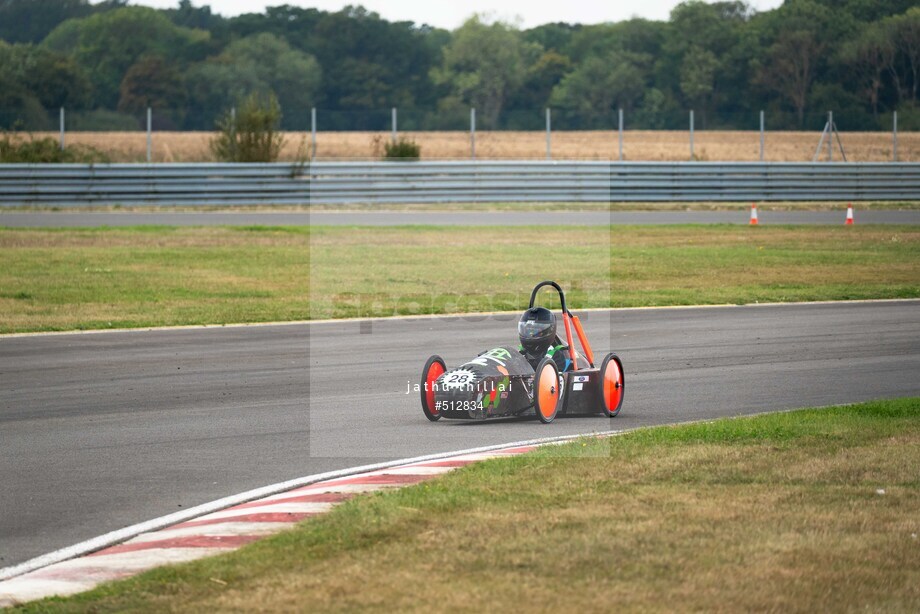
[
  {"x": 533, "y": 295},
  {"x": 568, "y": 320}
]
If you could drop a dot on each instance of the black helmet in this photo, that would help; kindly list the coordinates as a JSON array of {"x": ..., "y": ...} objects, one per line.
[{"x": 537, "y": 329}]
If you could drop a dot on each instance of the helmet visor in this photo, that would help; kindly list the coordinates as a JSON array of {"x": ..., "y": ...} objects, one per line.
[{"x": 532, "y": 329}]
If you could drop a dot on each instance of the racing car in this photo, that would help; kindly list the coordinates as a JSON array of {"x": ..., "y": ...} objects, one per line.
[{"x": 543, "y": 375}]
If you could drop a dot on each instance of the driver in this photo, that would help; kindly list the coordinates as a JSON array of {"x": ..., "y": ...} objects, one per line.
[{"x": 537, "y": 331}]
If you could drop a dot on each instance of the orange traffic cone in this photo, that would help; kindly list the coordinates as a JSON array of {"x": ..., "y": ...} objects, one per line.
[
  {"x": 849, "y": 221},
  {"x": 754, "y": 214}
]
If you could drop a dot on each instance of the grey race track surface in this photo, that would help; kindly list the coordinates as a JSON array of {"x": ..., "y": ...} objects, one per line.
[
  {"x": 100, "y": 431},
  {"x": 454, "y": 218}
]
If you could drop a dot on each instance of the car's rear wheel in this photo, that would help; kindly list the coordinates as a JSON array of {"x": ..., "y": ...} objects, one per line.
[
  {"x": 434, "y": 368},
  {"x": 613, "y": 385},
  {"x": 546, "y": 392}
]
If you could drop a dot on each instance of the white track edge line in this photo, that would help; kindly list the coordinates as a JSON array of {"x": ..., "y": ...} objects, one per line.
[
  {"x": 120, "y": 535},
  {"x": 153, "y": 329}
]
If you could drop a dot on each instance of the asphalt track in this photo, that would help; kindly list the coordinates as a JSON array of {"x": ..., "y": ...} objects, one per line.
[
  {"x": 448, "y": 218},
  {"x": 100, "y": 431}
]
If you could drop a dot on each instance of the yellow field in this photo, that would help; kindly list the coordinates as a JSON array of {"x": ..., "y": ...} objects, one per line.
[{"x": 597, "y": 145}]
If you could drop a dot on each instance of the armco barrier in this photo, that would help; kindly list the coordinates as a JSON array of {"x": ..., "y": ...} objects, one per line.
[
  {"x": 432, "y": 182},
  {"x": 152, "y": 184}
]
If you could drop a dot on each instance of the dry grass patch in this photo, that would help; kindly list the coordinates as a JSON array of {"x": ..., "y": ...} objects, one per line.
[
  {"x": 638, "y": 145},
  {"x": 727, "y": 516}
]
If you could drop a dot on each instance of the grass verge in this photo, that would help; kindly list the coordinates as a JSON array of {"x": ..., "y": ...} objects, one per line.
[
  {"x": 412, "y": 207},
  {"x": 155, "y": 276},
  {"x": 806, "y": 511}
]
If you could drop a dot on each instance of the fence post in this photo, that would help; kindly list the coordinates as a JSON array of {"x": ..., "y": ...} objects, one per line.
[
  {"x": 62, "y": 128},
  {"x": 620, "y": 132},
  {"x": 149, "y": 135},
  {"x": 830, "y": 135},
  {"x": 313, "y": 133},
  {"x": 691, "y": 136},
  {"x": 393, "y": 121},
  {"x": 762, "y": 126},
  {"x": 233, "y": 131},
  {"x": 473, "y": 133},
  {"x": 894, "y": 133},
  {"x": 549, "y": 132}
]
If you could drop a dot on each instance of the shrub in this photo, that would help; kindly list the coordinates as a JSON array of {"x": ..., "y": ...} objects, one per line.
[
  {"x": 17, "y": 149},
  {"x": 402, "y": 149},
  {"x": 251, "y": 134}
]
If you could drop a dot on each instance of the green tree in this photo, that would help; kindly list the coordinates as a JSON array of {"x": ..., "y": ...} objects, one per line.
[
  {"x": 484, "y": 64},
  {"x": 697, "y": 78},
  {"x": 791, "y": 67},
  {"x": 868, "y": 56},
  {"x": 659, "y": 111},
  {"x": 800, "y": 40},
  {"x": 352, "y": 45},
  {"x": 704, "y": 56},
  {"x": 598, "y": 86},
  {"x": 712, "y": 26},
  {"x": 201, "y": 18},
  {"x": 155, "y": 83},
  {"x": 262, "y": 63},
  {"x": 108, "y": 44},
  {"x": 212, "y": 83},
  {"x": 33, "y": 80},
  {"x": 555, "y": 37},
  {"x": 720, "y": 57},
  {"x": 868, "y": 11},
  {"x": 17, "y": 104},
  {"x": 29, "y": 21},
  {"x": 905, "y": 35},
  {"x": 634, "y": 36},
  {"x": 294, "y": 76},
  {"x": 542, "y": 76},
  {"x": 53, "y": 79}
]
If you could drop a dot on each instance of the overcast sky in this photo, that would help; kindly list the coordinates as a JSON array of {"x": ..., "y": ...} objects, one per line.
[{"x": 450, "y": 15}]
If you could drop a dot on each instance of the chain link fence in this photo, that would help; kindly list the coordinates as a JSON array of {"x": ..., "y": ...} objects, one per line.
[{"x": 464, "y": 133}]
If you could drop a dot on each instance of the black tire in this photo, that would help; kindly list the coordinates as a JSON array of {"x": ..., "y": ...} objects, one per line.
[
  {"x": 429, "y": 375},
  {"x": 613, "y": 392},
  {"x": 546, "y": 381}
]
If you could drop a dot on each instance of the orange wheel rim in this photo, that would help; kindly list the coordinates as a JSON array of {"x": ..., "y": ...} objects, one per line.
[
  {"x": 434, "y": 372},
  {"x": 548, "y": 392},
  {"x": 613, "y": 385}
]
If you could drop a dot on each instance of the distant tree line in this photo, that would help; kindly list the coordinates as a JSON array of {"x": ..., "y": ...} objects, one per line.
[{"x": 107, "y": 62}]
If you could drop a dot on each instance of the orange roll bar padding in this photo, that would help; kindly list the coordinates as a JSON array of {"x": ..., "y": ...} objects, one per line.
[
  {"x": 568, "y": 338},
  {"x": 584, "y": 340}
]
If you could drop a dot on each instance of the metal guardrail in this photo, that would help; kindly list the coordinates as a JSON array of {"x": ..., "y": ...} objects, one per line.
[
  {"x": 152, "y": 184},
  {"x": 423, "y": 182}
]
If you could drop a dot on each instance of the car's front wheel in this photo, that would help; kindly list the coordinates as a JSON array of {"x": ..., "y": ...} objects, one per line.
[
  {"x": 613, "y": 385},
  {"x": 434, "y": 369},
  {"x": 546, "y": 391}
]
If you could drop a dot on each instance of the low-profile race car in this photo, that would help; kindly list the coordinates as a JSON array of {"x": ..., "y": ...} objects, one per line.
[{"x": 543, "y": 376}]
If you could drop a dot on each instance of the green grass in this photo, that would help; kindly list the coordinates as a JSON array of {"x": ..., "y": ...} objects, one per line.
[
  {"x": 500, "y": 206},
  {"x": 154, "y": 276},
  {"x": 814, "y": 510}
]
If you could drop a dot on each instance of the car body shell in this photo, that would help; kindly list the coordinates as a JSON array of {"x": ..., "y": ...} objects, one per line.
[{"x": 499, "y": 383}]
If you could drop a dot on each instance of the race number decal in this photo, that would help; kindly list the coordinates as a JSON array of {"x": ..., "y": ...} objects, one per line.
[{"x": 460, "y": 378}]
